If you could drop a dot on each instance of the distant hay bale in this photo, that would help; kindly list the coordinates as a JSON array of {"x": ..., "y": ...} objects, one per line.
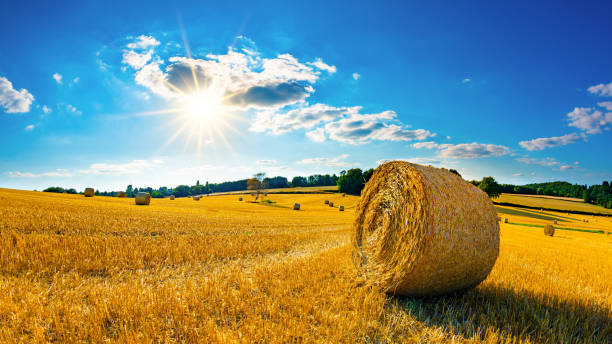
[
  {"x": 296, "y": 206},
  {"x": 506, "y": 220},
  {"x": 89, "y": 192},
  {"x": 143, "y": 198},
  {"x": 341, "y": 208},
  {"x": 239, "y": 199},
  {"x": 326, "y": 201},
  {"x": 549, "y": 230},
  {"x": 172, "y": 197},
  {"x": 555, "y": 222},
  {"x": 498, "y": 219},
  {"x": 196, "y": 198},
  {"x": 331, "y": 204},
  {"x": 421, "y": 230},
  {"x": 121, "y": 194}
]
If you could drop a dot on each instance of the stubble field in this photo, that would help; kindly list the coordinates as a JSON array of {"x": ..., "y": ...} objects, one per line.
[{"x": 76, "y": 269}]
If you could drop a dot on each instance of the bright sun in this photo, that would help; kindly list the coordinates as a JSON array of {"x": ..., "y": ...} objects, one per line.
[{"x": 203, "y": 107}]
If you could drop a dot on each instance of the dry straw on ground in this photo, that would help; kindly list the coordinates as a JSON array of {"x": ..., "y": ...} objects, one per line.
[
  {"x": 296, "y": 206},
  {"x": 549, "y": 230},
  {"x": 422, "y": 231},
  {"x": 89, "y": 192},
  {"x": 142, "y": 198},
  {"x": 121, "y": 194}
]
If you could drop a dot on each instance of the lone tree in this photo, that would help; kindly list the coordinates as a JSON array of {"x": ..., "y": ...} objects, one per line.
[
  {"x": 490, "y": 187},
  {"x": 257, "y": 183}
]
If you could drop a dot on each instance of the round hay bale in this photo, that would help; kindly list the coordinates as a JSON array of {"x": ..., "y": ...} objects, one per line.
[
  {"x": 421, "y": 231},
  {"x": 326, "y": 201},
  {"x": 172, "y": 197},
  {"x": 239, "y": 199},
  {"x": 89, "y": 192},
  {"x": 341, "y": 208},
  {"x": 121, "y": 194},
  {"x": 142, "y": 198},
  {"x": 555, "y": 221},
  {"x": 331, "y": 204},
  {"x": 196, "y": 198},
  {"x": 549, "y": 230},
  {"x": 506, "y": 220},
  {"x": 498, "y": 219},
  {"x": 296, "y": 206}
]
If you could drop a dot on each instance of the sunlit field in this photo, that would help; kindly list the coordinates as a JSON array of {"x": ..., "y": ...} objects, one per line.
[
  {"x": 553, "y": 203},
  {"x": 101, "y": 269}
]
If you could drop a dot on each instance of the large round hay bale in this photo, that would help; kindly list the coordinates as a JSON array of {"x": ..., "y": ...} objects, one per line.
[
  {"x": 89, "y": 192},
  {"x": 172, "y": 197},
  {"x": 421, "y": 230},
  {"x": 121, "y": 194},
  {"x": 142, "y": 198},
  {"x": 549, "y": 230},
  {"x": 296, "y": 206},
  {"x": 341, "y": 208}
]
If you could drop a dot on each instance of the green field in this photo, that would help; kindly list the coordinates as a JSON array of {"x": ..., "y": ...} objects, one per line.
[{"x": 553, "y": 204}]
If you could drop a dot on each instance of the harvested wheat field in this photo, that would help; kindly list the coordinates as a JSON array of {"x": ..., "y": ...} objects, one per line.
[{"x": 102, "y": 269}]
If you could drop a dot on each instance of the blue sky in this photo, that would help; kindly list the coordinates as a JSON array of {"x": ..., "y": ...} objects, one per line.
[{"x": 163, "y": 93}]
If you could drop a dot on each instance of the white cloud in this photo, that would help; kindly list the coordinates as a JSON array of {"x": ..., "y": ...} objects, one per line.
[
  {"x": 143, "y": 42},
  {"x": 132, "y": 167},
  {"x": 266, "y": 162},
  {"x": 568, "y": 167},
  {"x": 76, "y": 80},
  {"x": 606, "y": 105},
  {"x": 29, "y": 127},
  {"x": 356, "y": 76},
  {"x": 274, "y": 122},
  {"x": 601, "y": 89},
  {"x": 426, "y": 144},
  {"x": 590, "y": 120},
  {"x": 362, "y": 128},
  {"x": 57, "y": 77},
  {"x": 57, "y": 173},
  {"x": 136, "y": 60},
  {"x": 541, "y": 162},
  {"x": 330, "y": 162},
  {"x": 323, "y": 66},
  {"x": 73, "y": 110},
  {"x": 419, "y": 160},
  {"x": 317, "y": 135},
  {"x": 472, "y": 150},
  {"x": 518, "y": 174},
  {"x": 14, "y": 101},
  {"x": 47, "y": 110},
  {"x": 466, "y": 80},
  {"x": 549, "y": 142}
]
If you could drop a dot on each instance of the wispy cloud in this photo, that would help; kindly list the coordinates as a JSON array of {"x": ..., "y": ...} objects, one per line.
[
  {"x": 466, "y": 80},
  {"x": 29, "y": 127},
  {"x": 143, "y": 42},
  {"x": 465, "y": 150},
  {"x": 601, "y": 89},
  {"x": 266, "y": 162},
  {"x": 14, "y": 101},
  {"x": 47, "y": 110},
  {"x": 541, "y": 162},
  {"x": 330, "y": 162},
  {"x": 132, "y": 167},
  {"x": 590, "y": 120},
  {"x": 356, "y": 76},
  {"x": 549, "y": 142},
  {"x": 57, "y": 173},
  {"x": 57, "y": 77},
  {"x": 317, "y": 135}
]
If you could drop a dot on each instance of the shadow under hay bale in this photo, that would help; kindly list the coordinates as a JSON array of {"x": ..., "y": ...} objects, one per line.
[
  {"x": 296, "y": 206},
  {"x": 549, "y": 230},
  {"x": 142, "y": 198},
  {"x": 89, "y": 192},
  {"x": 407, "y": 218}
]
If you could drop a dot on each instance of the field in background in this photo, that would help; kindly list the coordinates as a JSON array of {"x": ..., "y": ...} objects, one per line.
[
  {"x": 218, "y": 270},
  {"x": 297, "y": 190},
  {"x": 553, "y": 203}
]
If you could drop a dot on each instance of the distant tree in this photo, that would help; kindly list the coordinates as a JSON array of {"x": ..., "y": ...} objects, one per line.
[
  {"x": 257, "y": 183},
  {"x": 299, "y": 181},
  {"x": 351, "y": 182},
  {"x": 129, "y": 191},
  {"x": 181, "y": 191},
  {"x": 490, "y": 187},
  {"x": 56, "y": 189},
  {"x": 586, "y": 197}
]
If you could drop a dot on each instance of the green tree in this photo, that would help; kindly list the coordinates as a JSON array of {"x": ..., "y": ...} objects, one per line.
[
  {"x": 490, "y": 187},
  {"x": 351, "y": 182}
]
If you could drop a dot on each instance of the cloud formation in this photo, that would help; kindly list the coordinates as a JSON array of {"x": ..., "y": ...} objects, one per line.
[
  {"x": 14, "y": 101},
  {"x": 143, "y": 42},
  {"x": 549, "y": 142},
  {"x": 465, "y": 150},
  {"x": 590, "y": 120},
  {"x": 57, "y": 173},
  {"x": 601, "y": 90},
  {"x": 57, "y": 77},
  {"x": 329, "y": 162},
  {"x": 132, "y": 167},
  {"x": 317, "y": 135},
  {"x": 541, "y": 162}
]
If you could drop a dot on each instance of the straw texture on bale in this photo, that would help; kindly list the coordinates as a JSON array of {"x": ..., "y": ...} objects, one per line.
[
  {"x": 549, "y": 230},
  {"x": 89, "y": 192},
  {"x": 121, "y": 194},
  {"x": 423, "y": 231},
  {"x": 172, "y": 197},
  {"x": 296, "y": 206},
  {"x": 341, "y": 208},
  {"x": 142, "y": 198}
]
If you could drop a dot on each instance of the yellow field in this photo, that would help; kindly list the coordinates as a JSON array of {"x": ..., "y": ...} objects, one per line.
[
  {"x": 552, "y": 203},
  {"x": 305, "y": 189},
  {"x": 76, "y": 269}
]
